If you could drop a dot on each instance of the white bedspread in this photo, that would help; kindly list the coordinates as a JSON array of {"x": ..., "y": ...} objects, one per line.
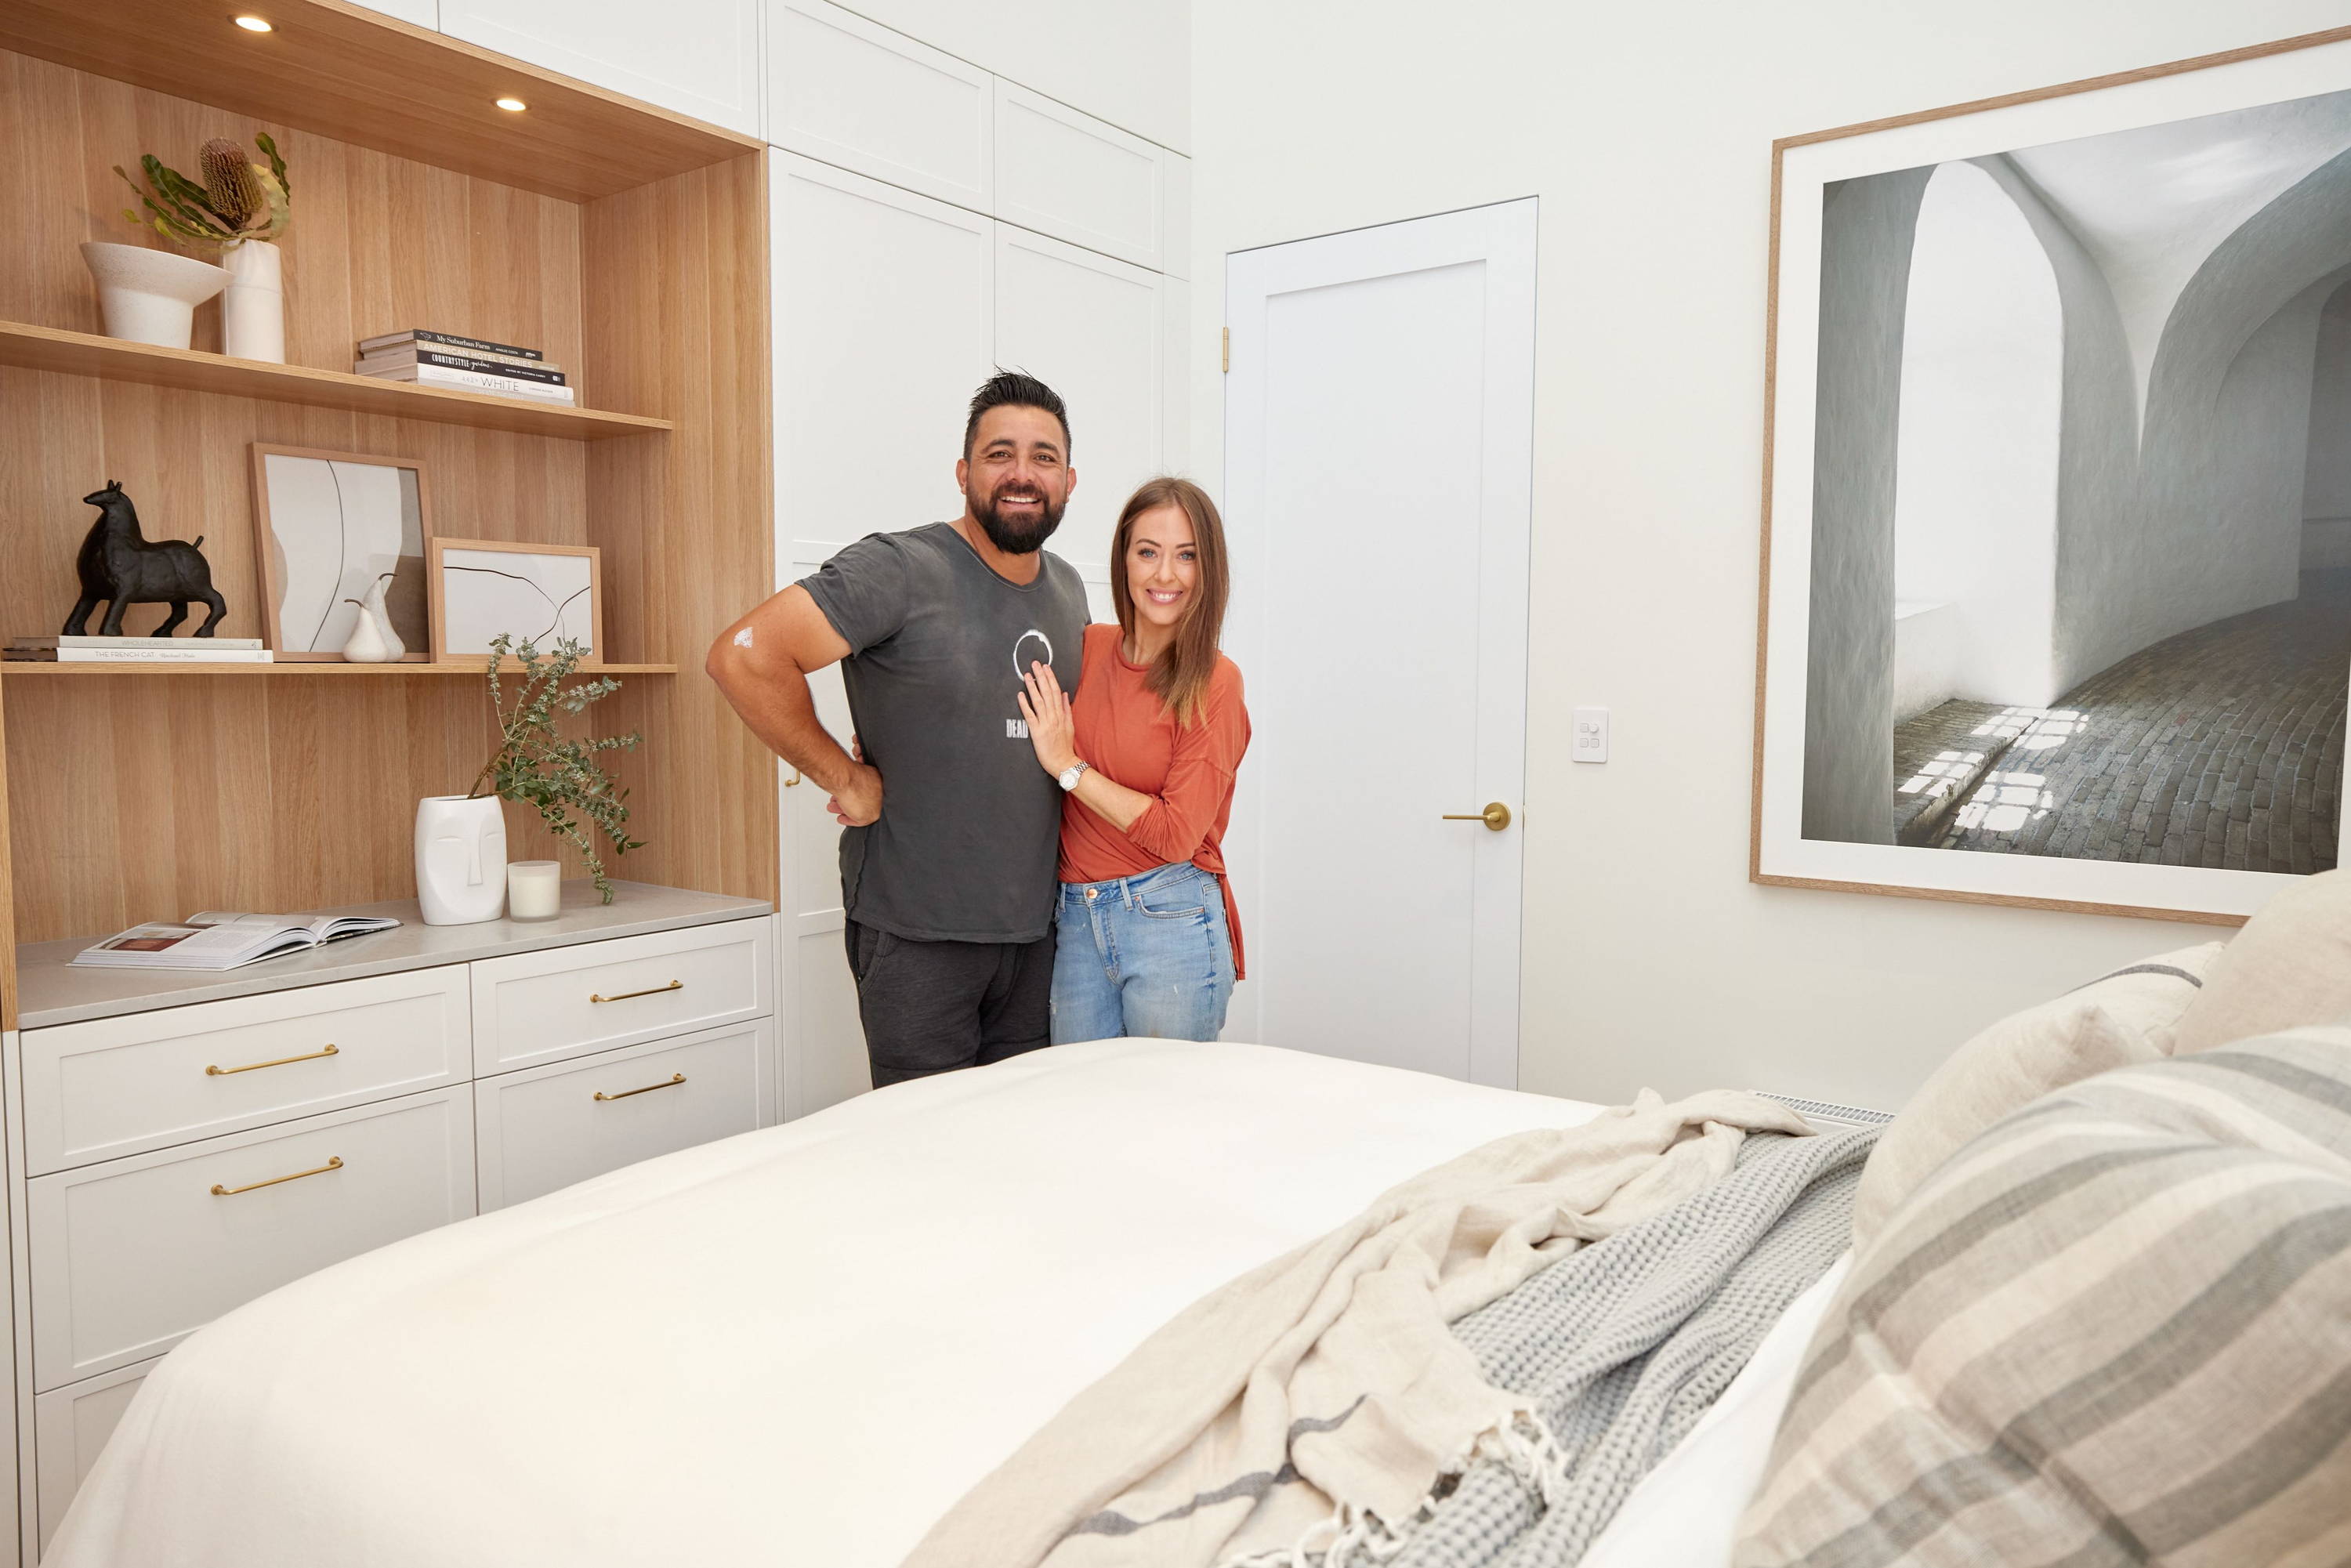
[{"x": 797, "y": 1346}]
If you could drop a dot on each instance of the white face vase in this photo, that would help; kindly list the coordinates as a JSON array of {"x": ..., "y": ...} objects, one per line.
[{"x": 461, "y": 859}]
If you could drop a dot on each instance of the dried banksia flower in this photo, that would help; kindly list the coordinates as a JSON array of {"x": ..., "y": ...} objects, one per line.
[{"x": 231, "y": 185}]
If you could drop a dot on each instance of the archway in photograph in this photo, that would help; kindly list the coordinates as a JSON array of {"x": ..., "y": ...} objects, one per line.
[{"x": 1976, "y": 498}]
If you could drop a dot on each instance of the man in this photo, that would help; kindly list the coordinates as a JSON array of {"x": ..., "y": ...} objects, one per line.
[{"x": 947, "y": 862}]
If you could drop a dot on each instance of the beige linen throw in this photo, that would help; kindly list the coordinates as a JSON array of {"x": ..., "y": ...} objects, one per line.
[{"x": 1321, "y": 1394}]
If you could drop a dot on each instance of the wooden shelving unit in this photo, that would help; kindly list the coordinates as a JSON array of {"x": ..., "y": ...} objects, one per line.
[
  {"x": 190, "y": 370},
  {"x": 628, "y": 242}
]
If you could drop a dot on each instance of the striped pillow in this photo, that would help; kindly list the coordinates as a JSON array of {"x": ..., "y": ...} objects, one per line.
[{"x": 2115, "y": 1328}]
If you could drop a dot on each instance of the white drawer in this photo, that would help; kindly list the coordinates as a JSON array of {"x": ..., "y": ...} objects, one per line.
[
  {"x": 70, "y": 1427},
  {"x": 537, "y": 1008},
  {"x": 130, "y": 1256},
  {"x": 550, "y": 1126},
  {"x": 117, "y": 1086}
]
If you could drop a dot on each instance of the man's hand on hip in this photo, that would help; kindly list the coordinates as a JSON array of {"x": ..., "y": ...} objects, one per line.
[{"x": 858, "y": 802}]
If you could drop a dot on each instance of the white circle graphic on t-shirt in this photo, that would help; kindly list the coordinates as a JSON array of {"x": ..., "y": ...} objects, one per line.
[{"x": 1020, "y": 664}]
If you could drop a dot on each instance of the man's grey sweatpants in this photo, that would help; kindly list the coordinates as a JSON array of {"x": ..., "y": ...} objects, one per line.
[{"x": 932, "y": 1007}]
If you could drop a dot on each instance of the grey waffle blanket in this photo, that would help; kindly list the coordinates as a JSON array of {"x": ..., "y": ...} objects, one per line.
[{"x": 1626, "y": 1343}]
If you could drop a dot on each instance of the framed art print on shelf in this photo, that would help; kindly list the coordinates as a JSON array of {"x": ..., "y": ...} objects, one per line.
[
  {"x": 2056, "y": 593},
  {"x": 540, "y": 594},
  {"x": 332, "y": 526}
]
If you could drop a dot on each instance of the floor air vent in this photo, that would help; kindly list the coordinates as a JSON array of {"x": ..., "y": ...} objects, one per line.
[{"x": 1822, "y": 1113}]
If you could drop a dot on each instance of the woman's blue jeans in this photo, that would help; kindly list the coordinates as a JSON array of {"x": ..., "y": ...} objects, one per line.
[{"x": 1146, "y": 954}]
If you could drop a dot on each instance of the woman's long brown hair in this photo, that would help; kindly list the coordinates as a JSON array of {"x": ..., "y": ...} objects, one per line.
[{"x": 1180, "y": 675}]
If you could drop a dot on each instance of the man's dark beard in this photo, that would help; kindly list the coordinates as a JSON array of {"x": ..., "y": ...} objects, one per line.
[{"x": 1017, "y": 535}]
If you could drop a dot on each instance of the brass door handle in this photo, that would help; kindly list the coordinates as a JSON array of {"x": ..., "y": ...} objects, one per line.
[
  {"x": 334, "y": 1163},
  {"x": 793, "y": 779},
  {"x": 275, "y": 1061},
  {"x": 669, "y": 1082},
  {"x": 1496, "y": 816},
  {"x": 648, "y": 991}
]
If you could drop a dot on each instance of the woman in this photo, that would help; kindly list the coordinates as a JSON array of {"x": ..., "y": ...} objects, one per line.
[{"x": 1149, "y": 940}]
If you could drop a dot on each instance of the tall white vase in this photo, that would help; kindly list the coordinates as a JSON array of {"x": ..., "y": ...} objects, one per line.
[
  {"x": 253, "y": 310},
  {"x": 151, "y": 296},
  {"x": 461, "y": 859}
]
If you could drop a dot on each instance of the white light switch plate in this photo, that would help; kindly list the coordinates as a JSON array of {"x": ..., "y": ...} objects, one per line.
[{"x": 1590, "y": 735}]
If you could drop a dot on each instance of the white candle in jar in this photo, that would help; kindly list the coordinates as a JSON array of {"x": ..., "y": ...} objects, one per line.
[{"x": 534, "y": 890}]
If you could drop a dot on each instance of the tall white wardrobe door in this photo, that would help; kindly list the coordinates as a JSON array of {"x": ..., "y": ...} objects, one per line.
[
  {"x": 696, "y": 56},
  {"x": 1093, "y": 329},
  {"x": 881, "y": 303}
]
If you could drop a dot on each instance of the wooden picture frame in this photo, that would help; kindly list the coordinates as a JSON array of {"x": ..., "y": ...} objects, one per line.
[
  {"x": 278, "y": 575},
  {"x": 1842, "y": 342},
  {"x": 455, "y": 622}
]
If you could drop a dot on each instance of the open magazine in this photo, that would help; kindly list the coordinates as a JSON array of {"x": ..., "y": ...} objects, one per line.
[{"x": 213, "y": 940}]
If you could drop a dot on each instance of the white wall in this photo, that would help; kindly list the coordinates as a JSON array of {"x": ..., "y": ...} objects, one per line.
[
  {"x": 1120, "y": 60},
  {"x": 1646, "y": 132}
]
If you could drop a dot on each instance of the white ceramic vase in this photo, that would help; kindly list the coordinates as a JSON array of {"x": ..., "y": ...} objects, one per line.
[
  {"x": 253, "y": 310},
  {"x": 461, "y": 859},
  {"x": 151, "y": 296},
  {"x": 372, "y": 640}
]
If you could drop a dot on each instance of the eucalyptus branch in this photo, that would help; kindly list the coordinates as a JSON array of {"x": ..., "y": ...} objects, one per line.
[{"x": 536, "y": 766}]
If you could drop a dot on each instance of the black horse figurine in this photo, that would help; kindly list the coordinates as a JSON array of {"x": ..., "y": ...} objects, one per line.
[{"x": 117, "y": 564}]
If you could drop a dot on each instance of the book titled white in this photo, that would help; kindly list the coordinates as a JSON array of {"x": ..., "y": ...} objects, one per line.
[
  {"x": 214, "y": 939},
  {"x": 474, "y": 381}
]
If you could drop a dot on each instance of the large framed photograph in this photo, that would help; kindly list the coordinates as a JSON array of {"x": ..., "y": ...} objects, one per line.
[
  {"x": 540, "y": 594},
  {"x": 328, "y": 526},
  {"x": 2057, "y": 499}
]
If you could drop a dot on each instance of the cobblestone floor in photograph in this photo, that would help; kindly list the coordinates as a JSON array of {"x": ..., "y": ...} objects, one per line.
[{"x": 2221, "y": 747}]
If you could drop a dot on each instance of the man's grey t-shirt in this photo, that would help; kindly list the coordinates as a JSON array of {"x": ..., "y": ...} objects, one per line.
[{"x": 966, "y": 845}]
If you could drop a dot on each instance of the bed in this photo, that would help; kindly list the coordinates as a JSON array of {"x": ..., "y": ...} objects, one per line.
[{"x": 804, "y": 1344}]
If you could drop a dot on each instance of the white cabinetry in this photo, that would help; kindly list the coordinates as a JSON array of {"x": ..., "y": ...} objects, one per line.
[
  {"x": 1069, "y": 175},
  {"x": 171, "y": 1163},
  {"x": 857, "y": 95},
  {"x": 931, "y": 221},
  {"x": 699, "y": 58}
]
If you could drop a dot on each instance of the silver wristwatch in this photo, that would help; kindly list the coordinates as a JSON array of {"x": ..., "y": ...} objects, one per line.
[{"x": 1068, "y": 775}]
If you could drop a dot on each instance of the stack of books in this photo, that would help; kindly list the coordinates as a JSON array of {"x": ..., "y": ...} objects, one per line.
[
  {"x": 138, "y": 649},
  {"x": 469, "y": 364}
]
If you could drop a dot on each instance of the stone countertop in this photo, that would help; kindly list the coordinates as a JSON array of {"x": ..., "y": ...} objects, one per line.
[{"x": 51, "y": 991}]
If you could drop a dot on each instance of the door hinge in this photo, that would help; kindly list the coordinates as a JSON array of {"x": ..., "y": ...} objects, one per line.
[{"x": 1228, "y": 351}]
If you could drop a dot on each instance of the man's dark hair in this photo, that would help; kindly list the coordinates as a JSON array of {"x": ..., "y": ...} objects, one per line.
[{"x": 1015, "y": 389}]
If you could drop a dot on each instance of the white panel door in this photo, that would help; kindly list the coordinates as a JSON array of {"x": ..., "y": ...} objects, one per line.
[
  {"x": 882, "y": 305},
  {"x": 854, "y": 93},
  {"x": 1379, "y": 425},
  {"x": 1093, "y": 329},
  {"x": 1069, "y": 175},
  {"x": 696, "y": 56}
]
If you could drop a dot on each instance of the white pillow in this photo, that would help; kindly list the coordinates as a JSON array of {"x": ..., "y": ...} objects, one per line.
[
  {"x": 2124, "y": 1018},
  {"x": 2289, "y": 968}
]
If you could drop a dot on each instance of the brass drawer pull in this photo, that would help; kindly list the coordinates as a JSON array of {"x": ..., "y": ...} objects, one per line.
[
  {"x": 334, "y": 1163},
  {"x": 669, "y": 1082},
  {"x": 648, "y": 991},
  {"x": 280, "y": 1062}
]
